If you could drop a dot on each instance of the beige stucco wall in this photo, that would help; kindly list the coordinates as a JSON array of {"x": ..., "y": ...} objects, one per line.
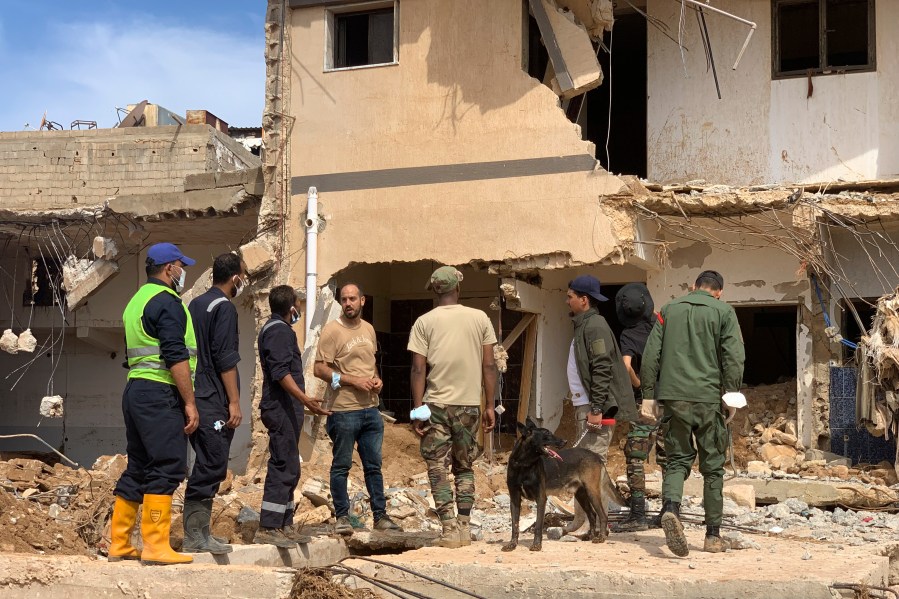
[
  {"x": 458, "y": 95},
  {"x": 764, "y": 130}
]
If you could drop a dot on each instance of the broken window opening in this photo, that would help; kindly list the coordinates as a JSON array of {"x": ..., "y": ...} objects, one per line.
[
  {"x": 628, "y": 70},
  {"x": 48, "y": 282},
  {"x": 769, "y": 338},
  {"x": 361, "y": 38},
  {"x": 822, "y": 36},
  {"x": 866, "y": 308}
]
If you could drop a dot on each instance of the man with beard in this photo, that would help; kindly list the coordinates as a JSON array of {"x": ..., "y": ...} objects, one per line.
[{"x": 346, "y": 361}]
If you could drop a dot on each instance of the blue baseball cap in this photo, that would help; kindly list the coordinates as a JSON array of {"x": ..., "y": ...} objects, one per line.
[
  {"x": 163, "y": 253},
  {"x": 589, "y": 285}
]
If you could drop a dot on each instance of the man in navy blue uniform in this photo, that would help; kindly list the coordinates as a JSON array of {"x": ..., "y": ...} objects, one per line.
[
  {"x": 158, "y": 406},
  {"x": 281, "y": 411},
  {"x": 217, "y": 392}
]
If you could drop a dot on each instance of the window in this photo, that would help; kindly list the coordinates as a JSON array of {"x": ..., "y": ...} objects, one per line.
[
  {"x": 361, "y": 35},
  {"x": 822, "y": 36}
]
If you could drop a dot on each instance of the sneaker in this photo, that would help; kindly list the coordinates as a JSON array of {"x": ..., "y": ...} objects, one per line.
[
  {"x": 385, "y": 523},
  {"x": 273, "y": 536},
  {"x": 343, "y": 526}
]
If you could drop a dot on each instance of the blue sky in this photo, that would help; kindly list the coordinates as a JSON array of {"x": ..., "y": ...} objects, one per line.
[{"x": 79, "y": 59}]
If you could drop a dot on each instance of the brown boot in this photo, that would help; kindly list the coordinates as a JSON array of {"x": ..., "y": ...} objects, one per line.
[
  {"x": 464, "y": 530},
  {"x": 124, "y": 517},
  {"x": 713, "y": 541},
  {"x": 155, "y": 526},
  {"x": 674, "y": 530},
  {"x": 450, "y": 536}
]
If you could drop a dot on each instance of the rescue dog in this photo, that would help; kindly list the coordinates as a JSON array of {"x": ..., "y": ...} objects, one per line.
[{"x": 536, "y": 470}]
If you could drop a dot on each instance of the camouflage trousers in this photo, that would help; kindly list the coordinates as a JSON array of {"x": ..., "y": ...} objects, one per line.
[
  {"x": 451, "y": 445},
  {"x": 640, "y": 441}
]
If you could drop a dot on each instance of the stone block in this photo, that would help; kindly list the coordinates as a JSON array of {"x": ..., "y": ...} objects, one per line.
[
  {"x": 257, "y": 256},
  {"x": 742, "y": 495},
  {"x": 199, "y": 181},
  {"x": 322, "y": 551}
]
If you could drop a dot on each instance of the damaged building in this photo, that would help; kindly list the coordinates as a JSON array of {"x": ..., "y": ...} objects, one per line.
[
  {"x": 528, "y": 142},
  {"x": 77, "y": 211}
]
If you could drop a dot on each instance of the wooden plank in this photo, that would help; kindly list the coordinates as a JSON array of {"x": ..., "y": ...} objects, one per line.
[
  {"x": 525, "y": 321},
  {"x": 538, "y": 9},
  {"x": 527, "y": 371}
]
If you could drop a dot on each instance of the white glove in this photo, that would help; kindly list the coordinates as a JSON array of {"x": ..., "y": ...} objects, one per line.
[{"x": 649, "y": 411}]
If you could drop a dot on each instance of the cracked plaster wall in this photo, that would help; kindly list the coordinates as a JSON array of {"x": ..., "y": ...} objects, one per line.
[
  {"x": 766, "y": 130},
  {"x": 458, "y": 95}
]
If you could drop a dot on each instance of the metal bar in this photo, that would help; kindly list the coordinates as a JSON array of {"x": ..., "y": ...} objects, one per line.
[{"x": 721, "y": 12}]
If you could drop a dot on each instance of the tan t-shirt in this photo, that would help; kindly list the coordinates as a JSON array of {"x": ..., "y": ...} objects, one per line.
[
  {"x": 452, "y": 338},
  {"x": 350, "y": 351}
]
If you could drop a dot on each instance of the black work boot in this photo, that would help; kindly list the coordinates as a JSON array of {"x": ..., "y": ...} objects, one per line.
[
  {"x": 636, "y": 520},
  {"x": 713, "y": 541},
  {"x": 674, "y": 530},
  {"x": 197, "y": 516},
  {"x": 656, "y": 521}
]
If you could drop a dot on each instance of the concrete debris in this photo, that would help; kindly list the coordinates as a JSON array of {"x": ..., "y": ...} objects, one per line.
[
  {"x": 742, "y": 495},
  {"x": 9, "y": 342},
  {"x": 596, "y": 15},
  {"x": 257, "y": 256},
  {"x": 319, "y": 515},
  {"x": 82, "y": 278},
  {"x": 27, "y": 341},
  {"x": 317, "y": 491},
  {"x": 501, "y": 356},
  {"x": 104, "y": 247},
  {"x": 52, "y": 406}
]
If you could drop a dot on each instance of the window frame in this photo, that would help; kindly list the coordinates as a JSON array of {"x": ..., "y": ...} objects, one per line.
[
  {"x": 822, "y": 69},
  {"x": 331, "y": 14}
]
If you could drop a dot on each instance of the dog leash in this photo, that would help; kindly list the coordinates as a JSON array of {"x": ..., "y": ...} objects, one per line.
[{"x": 590, "y": 428}]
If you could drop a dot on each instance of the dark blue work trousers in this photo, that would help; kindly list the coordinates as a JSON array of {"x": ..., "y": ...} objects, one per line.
[
  {"x": 211, "y": 447},
  {"x": 156, "y": 443},
  {"x": 365, "y": 429},
  {"x": 284, "y": 423}
]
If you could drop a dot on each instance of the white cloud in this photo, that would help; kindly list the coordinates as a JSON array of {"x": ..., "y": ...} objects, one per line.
[{"x": 98, "y": 66}]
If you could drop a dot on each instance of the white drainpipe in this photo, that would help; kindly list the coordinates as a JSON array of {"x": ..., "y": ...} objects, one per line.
[{"x": 311, "y": 255}]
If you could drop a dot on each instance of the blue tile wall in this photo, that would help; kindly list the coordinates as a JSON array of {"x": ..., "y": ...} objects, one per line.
[{"x": 860, "y": 446}]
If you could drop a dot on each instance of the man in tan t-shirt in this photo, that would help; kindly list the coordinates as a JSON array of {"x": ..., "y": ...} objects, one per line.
[
  {"x": 346, "y": 361},
  {"x": 457, "y": 343}
]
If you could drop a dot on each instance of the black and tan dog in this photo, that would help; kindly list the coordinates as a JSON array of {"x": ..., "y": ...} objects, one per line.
[{"x": 538, "y": 466}]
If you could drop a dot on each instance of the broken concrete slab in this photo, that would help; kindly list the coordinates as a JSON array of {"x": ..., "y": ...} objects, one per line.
[
  {"x": 64, "y": 577},
  {"x": 643, "y": 567},
  {"x": 257, "y": 256},
  {"x": 82, "y": 278},
  {"x": 322, "y": 551},
  {"x": 596, "y": 15},
  {"x": 579, "y": 62},
  {"x": 52, "y": 406},
  {"x": 390, "y": 540}
]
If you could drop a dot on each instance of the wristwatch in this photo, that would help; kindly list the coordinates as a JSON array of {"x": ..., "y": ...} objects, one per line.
[{"x": 596, "y": 410}]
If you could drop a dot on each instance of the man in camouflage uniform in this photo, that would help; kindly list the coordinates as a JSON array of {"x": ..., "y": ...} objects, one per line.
[
  {"x": 635, "y": 310},
  {"x": 456, "y": 342},
  {"x": 694, "y": 355}
]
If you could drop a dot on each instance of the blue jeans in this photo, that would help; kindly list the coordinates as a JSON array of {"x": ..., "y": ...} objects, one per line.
[{"x": 364, "y": 428}]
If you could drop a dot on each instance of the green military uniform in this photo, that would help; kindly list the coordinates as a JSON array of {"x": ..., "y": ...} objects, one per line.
[
  {"x": 601, "y": 367},
  {"x": 691, "y": 357}
]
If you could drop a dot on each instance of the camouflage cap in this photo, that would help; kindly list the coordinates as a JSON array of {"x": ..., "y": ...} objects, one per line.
[{"x": 444, "y": 280}]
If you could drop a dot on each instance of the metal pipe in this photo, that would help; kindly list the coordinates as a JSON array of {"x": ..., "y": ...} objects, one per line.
[
  {"x": 311, "y": 256},
  {"x": 752, "y": 25}
]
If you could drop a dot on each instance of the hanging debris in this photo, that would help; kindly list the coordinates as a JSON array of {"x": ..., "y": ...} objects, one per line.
[
  {"x": 27, "y": 342},
  {"x": 51, "y": 406},
  {"x": 9, "y": 342}
]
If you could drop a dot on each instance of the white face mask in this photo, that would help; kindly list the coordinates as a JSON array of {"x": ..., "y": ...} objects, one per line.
[
  {"x": 239, "y": 286},
  {"x": 179, "y": 284}
]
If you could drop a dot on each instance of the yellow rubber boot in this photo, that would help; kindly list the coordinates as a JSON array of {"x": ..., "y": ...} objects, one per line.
[
  {"x": 124, "y": 517},
  {"x": 155, "y": 526}
]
